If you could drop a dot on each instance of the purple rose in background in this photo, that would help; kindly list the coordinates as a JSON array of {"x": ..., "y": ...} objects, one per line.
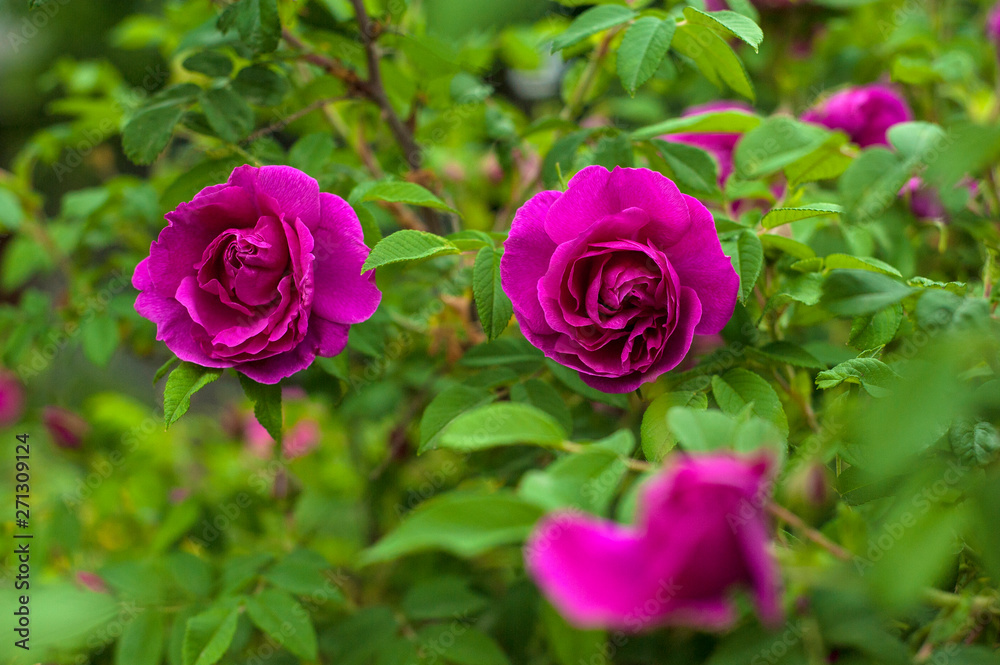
[
  {"x": 614, "y": 276},
  {"x": 300, "y": 440},
  {"x": 11, "y": 399},
  {"x": 66, "y": 428},
  {"x": 261, "y": 273},
  {"x": 993, "y": 24},
  {"x": 925, "y": 200},
  {"x": 864, "y": 113},
  {"x": 718, "y": 144},
  {"x": 700, "y": 532}
]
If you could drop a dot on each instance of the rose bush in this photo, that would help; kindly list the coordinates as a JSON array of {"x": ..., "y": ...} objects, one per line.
[
  {"x": 615, "y": 276},
  {"x": 262, "y": 273}
]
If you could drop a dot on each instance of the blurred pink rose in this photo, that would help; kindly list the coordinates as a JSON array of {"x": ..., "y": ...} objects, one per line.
[
  {"x": 66, "y": 428},
  {"x": 11, "y": 399}
]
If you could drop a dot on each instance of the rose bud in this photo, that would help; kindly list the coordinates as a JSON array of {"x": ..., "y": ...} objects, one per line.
[
  {"x": 864, "y": 113},
  {"x": 11, "y": 399},
  {"x": 701, "y": 531},
  {"x": 261, "y": 273},
  {"x": 65, "y": 427},
  {"x": 615, "y": 276}
]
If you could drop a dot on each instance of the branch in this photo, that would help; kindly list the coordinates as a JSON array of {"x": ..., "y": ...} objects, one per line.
[{"x": 812, "y": 534}]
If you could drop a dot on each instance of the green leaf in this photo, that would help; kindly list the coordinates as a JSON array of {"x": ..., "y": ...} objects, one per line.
[
  {"x": 285, "y": 621},
  {"x": 407, "y": 245},
  {"x": 502, "y": 424},
  {"x": 590, "y": 22},
  {"x": 141, "y": 641},
  {"x": 148, "y": 132},
  {"x": 645, "y": 44},
  {"x": 182, "y": 383},
  {"x": 312, "y": 153},
  {"x": 571, "y": 379},
  {"x": 259, "y": 84},
  {"x": 492, "y": 304},
  {"x": 854, "y": 292},
  {"x": 787, "y": 245},
  {"x": 468, "y": 647},
  {"x": 441, "y": 598},
  {"x": 776, "y": 143},
  {"x": 266, "y": 399},
  {"x": 714, "y": 57},
  {"x": 405, "y": 192},
  {"x": 656, "y": 436},
  {"x": 709, "y": 122},
  {"x": 747, "y": 255},
  {"x": 164, "y": 368},
  {"x": 99, "y": 337},
  {"x": 445, "y": 407},
  {"x": 561, "y": 155},
  {"x": 542, "y": 395},
  {"x": 778, "y": 216},
  {"x": 208, "y": 635},
  {"x": 692, "y": 167},
  {"x": 788, "y": 353},
  {"x": 209, "y": 63},
  {"x": 699, "y": 430},
  {"x": 738, "y": 388},
  {"x": 914, "y": 140},
  {"x": 834, "y": 261},
  {"x": 258, "y": 24},
  {"x": 587, "y": 480},
  {"x": 730, "y": 24},
  {"x": 227, "y": 113},
  {"x": 870, "y": 373},
  {"x": 829, "y": 160},
  {"x": 507, "y": 351},
  {"x": 301, "y": 573},
  {"x": 872, "y": 183},
  {"x": 878, "y": 329},
  {"x": 464, "y": 523}
]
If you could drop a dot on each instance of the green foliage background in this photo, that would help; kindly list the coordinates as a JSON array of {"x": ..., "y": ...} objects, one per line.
[{"x": 864, "y": 347}]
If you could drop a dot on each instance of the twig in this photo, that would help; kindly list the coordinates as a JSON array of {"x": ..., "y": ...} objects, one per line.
[
  {"x": 812, "y": 534},
  {"x": 289, "y": 119}
]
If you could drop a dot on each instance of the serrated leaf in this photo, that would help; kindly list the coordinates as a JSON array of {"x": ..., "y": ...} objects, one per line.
[
  {"x": 542, "y": 395},
  {"x": 99, "y": 337},
  {"x": 258, "y": 24},
  {"x": 441, "y": 598},
  {"x": 561, "y": 155},
  {"x": 778, "y": 216},
  {"x": 710, "y": 122},
  {"x": 854, "y": 292},
  {"x": 445, "y": 407},
  {"x": 738, "y": 388},
  {"x": 787, "y": 245},
  {"x": 492, "y": 304},
  {"x": 870, "y": 373},
  {"x": 914, "y": 140},
  {"x": 464, "y": 523},
  {"x": 691, "y": 166},
  {"x": 260, "y": 84},
  {"x": 301, "y": 573},
  {"x": 141, "y": 641},
  {"x": 209, "y": 63},
  {"x": 164, "y": 368},
  {"x": 405, "y": 192},
  {"x": 148, "y": 132},
  {"x": 266, "y": 399},
  {"x": 227, "y": 113},
  {"x": 182, "y": 383},
  {"x": 590, "y": 22},
  {"x": 834, "y": 261},
  {"x": 656, "y": 436},
  {"x": 645, "y": 44},
  {"x": 872, "y": 183},
  {"x": 790, "y": 354},
  {"x": 878, "y": 329},
  {"x": 407, "y": 245},
  {"x": 714, "y": 57},
  {"x": 699, "y": 430},
  {"x": 208, "y": 635},
  {"x": 283, "y": 619},
  {"x": 747, "y": 255},
  {"x": 774, "y": 144},
  {"x": 502, "y": 424},
  {"x": 729, "y": 24}
]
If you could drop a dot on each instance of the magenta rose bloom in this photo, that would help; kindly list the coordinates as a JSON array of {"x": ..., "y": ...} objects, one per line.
[
  {"x": 864, "y": 113},
  {"x": 614, "y": 276},
  {"x": 700, "y": 533},
  {"x": 261, "y": 273},
  {"x": 66, "y": 428},
  {"x": 718, "y": 144}
]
